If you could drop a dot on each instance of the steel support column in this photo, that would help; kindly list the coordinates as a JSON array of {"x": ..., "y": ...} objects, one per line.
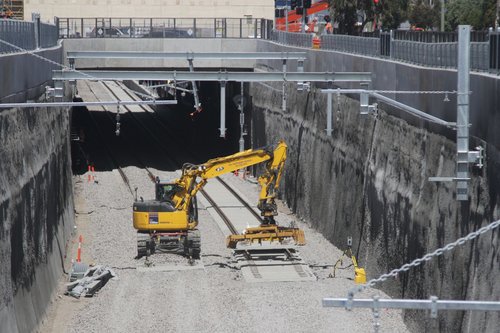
[
  {"x": 222, "y": 128},
  {"x": 463, "y": 112},
  {"x": 242, "y": 119}
]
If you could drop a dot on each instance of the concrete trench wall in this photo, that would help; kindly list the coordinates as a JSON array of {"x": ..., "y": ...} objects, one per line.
[
  {"x": 369, "y": 181},
  {"x": 36, "y": 197}
]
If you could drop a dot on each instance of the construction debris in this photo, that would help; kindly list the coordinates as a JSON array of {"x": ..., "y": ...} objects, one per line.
[{"x": 92, "y": 280}]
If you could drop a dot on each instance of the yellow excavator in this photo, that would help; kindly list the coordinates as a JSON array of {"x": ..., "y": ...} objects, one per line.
[{"x": 169, "y": 222}]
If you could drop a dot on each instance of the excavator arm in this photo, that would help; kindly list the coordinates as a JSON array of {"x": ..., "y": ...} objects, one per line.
[
  {"x": 189, "y": 185},
  {"x": 194, "y": 177}
]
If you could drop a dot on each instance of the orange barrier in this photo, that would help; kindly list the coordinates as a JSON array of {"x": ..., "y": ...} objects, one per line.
[
  {"x": 79, "y": 250},
  {"x": 316, "y": 42},
  {"x": 90, "y": 176}
]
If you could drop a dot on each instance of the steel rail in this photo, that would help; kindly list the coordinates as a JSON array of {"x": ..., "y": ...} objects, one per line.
[
  {"x": 240, "y": 199},
  {"x": 219, "y": 211}
]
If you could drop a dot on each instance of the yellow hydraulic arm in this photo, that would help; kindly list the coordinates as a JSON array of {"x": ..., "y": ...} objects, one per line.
[{"x": 188, "y": 185}]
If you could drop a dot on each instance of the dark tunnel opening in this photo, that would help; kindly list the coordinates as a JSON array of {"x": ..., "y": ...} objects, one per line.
[{"x": 164, "y": 140}]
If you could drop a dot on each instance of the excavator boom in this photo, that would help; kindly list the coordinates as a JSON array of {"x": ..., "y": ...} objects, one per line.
[{"x": 172, "y": 217}]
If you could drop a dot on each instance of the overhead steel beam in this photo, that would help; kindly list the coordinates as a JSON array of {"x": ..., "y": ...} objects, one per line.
[
  {"x": 59, "y": 75},
  {"x": 185, "y": 55},
  {"x": 392, "y": 102},
  {"x": 418, "y": 304},
  {"x": 64, "y": 104}
]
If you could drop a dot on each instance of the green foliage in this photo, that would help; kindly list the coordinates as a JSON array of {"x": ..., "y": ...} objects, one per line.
[
  {"x": 423, "y": 15},
  {"x": 390, "y": 13},
  {"x": 480, "y": 14}
]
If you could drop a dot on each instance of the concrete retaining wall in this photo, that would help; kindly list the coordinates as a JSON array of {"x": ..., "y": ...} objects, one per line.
[
  {"x": 24, "y": 76},
  {"x": 162, "y": 45},
  {"x": 36, "y": 200},
  {"x": 369, "y": 181}
]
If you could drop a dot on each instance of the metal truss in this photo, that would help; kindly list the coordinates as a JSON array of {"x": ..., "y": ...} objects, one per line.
[
  {"x": 61, "y": 75},
  {"x": 191, "y": 56}
]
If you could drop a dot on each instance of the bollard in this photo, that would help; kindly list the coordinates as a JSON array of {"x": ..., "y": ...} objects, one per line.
[
  {"x": 79, "y": 250},
  {"x": 316, "y": 42}
]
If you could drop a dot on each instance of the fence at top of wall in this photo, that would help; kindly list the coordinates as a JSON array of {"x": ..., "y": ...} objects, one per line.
[{"x": 430, "y": 49}]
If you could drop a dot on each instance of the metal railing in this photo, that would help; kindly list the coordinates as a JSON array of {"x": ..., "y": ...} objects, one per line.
[
  {"x": 292, "y": 38},
  {"x": 18, "y": 33},
  {"x": 164, "y": 28},
  {"x": 26, "y": 35},
  {"x": 485, "y": 51},
  {"x": 48, "y": 35},
  {"x": 351, "y": 44}
]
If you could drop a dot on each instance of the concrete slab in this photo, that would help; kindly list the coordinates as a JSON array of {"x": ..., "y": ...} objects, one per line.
[
  {"x": 275, "y": 271},
  {"x": 171, "y": 268}
]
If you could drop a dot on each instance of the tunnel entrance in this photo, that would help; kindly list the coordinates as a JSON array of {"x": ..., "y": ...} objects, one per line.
[{"x": 164, "y": 139}]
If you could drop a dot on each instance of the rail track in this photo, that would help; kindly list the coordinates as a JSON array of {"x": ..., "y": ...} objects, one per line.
[
  {"x": 230, "y": 209},
  {"x": 174, "y": 160}
]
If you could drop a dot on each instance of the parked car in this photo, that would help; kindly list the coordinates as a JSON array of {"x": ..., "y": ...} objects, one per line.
[
  {"x": 168, "y": 33},
  {"x": 110, "y": 32}
]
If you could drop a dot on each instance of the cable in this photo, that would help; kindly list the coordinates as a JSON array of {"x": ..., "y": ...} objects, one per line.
[
  {"x": 426, "y": 257},
  {"x": 32, "y": 52}
]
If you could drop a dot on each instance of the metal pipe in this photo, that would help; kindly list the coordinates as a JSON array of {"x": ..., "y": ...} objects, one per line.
[
  {"x": 59, "y": 75},
  {"x": 197, "y": 104},
  {"x": 418, "y": 304},
  {"x": 392, "y": 102},
  {"x": 71, "y": 104}
]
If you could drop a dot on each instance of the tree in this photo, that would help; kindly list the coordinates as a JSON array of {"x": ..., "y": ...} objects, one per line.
[
  {"x": 480, "y": 14},
  {"x": 423, "y": 14},
  {"x": 388, "y": 13}
]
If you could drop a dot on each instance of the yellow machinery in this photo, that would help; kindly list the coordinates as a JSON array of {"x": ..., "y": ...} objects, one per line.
[
  {"x": 169, "y": 222},
  {"x": 359, "y": 272}
]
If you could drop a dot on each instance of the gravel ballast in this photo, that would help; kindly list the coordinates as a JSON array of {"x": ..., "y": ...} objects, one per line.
[{"x": 213, "y": 298}]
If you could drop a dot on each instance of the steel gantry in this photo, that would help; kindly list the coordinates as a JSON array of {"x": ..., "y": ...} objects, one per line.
[
  {"x": 464, "y": 157},
  {"x": 59, "y": 76},
  {"x": 191, "y": 56}
]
